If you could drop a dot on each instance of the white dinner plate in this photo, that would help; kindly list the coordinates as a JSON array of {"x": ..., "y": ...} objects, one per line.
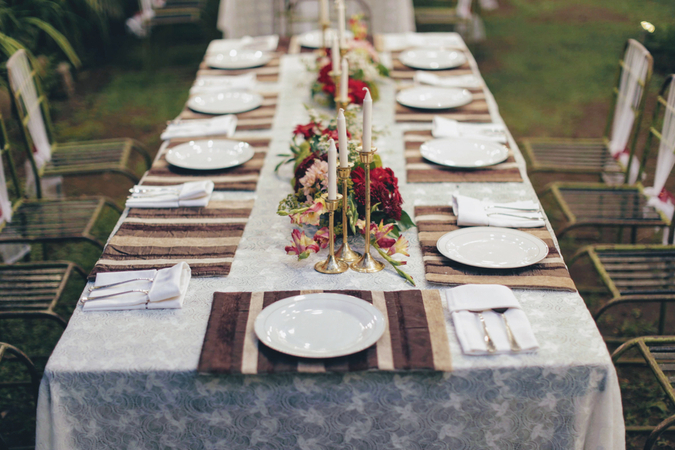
[
  {"x": 492, "y": 247},
  {"x": 464, "y": 153},
  {"x": 312, "y": 39},
  {"x": 432, "y": 58},
  {"x": 228, "y": 102},
  {"x": 320, "y": 325},
  {"x": 209, "y": 154},
  {"x": 238, "y": 59},
  {"x": 425, "y": 97}
]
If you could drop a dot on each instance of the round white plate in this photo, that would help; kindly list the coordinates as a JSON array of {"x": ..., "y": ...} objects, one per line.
[
  {"x": 492, "y": 247},
  {"x": 320, "y": 325},
  {"x": 464, "y": 153},
  {"x": 238, "y": 59},
  {"x": 228, "y": 102},
  {"x": 312, "y": 39},
  {"x": 432, "y": 58},
  {"x": 209, "y": 154},
  {"x": 423, "y": 97}
]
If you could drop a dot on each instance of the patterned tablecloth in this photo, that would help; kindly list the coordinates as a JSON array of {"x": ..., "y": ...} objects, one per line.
[{"x": 128, "y": 379}]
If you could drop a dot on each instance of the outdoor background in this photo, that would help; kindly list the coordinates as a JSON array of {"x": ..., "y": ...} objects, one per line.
[{"x": 551, "y": 64}]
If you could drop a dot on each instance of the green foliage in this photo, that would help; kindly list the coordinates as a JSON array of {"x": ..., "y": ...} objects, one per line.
[{"x": 661, "y": 44}]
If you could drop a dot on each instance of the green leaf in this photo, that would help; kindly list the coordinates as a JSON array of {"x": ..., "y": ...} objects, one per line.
[
  {"x": 59, "y": 38},
  {"x": 406, "y": 222}
]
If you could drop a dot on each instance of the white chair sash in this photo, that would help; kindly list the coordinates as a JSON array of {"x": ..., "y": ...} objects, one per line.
[
  {"x": 633, "y": 77},
  {"x": 5, "y": 202},
  {"x": 22, "y": 84}
]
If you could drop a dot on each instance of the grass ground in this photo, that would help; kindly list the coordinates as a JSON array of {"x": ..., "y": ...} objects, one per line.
[{"x": 550, "y": 65}]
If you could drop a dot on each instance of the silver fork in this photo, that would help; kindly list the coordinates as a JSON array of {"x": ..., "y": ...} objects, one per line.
[
  {"x": 486, "y": 335},
  {"x": 513, "y": 208},
  {"x": 512, "y": 340},
  {"x": 93, "y": 288},
  {"x": 515, "y": 215},
  {"x": 100, "y": 297}
]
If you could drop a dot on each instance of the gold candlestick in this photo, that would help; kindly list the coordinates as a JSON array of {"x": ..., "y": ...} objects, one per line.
[
  {"x": 345, "y": 253},
  {"x": 331, "y": 265},
  {"x": 336, "y": 76},
  {"x": 367, "y": 264}
]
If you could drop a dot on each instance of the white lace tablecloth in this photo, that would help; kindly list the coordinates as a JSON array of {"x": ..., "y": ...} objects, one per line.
[{"x": 127, "y": 379}]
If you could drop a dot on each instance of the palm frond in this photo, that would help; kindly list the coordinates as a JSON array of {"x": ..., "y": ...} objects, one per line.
[{"x": 59, "y": 38}]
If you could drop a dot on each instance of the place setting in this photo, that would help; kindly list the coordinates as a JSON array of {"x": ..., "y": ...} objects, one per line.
[
  {"x": 422, "y": 103},
  {"x": 476, "y": 241},
  {"x": 231, "y": 57},
  {"x": 254, "y": 110}
]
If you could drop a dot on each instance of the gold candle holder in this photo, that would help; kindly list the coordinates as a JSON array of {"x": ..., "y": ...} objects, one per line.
[
  {"x": 339, "y": 104},
  {"x": 345, "y": 253},
  {"x": 367, "y": 264},
  {"x": 331, "y": 265}
]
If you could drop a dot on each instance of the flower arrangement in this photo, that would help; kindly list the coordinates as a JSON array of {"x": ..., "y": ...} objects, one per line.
[
  {"x": 364, "y": 69},
  {"x": 306, "y": 207}
]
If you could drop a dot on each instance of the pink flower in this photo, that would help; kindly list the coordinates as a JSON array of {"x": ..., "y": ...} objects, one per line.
[
  {"x": 302, "y": 245},
  {"x": 400, "y": 246},
  {"x": 378, "y": 233},
  {"x": 322, "y": 237},
  {"x": 315, "y": 174},
  {"x": 310, "y": 216}
]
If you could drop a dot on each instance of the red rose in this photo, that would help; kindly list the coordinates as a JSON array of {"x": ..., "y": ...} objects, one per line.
[
  {"x": 356, "y": 91},
  {"x": 324, "y": 76},
  {"x": 383, "y": 190},
  {"x": 307, "y": 130}
]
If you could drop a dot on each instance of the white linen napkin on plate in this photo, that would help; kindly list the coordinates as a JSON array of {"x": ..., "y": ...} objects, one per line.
[
  {"x": 473, "y": 212},
  {"x": 166, "y": 289},
  {"x": 226, "y": 125},
  {"x": 484, "y": 297},
  {"x": 262, "y": 43},
  {"x": 493, "y": 132},
  {"x": 458, "y": 81},
  {"x": 206, "y": 83},
  {"x": 191, "y": 194}
]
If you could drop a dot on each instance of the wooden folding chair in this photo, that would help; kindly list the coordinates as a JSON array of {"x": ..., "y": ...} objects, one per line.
[
  {"x": 173, "y": 12},
  {"x": 659, "y": 355},
  {"x": 593, "y": 156},
  {"x": 602, "y": 205},
  {"x": 39, "y": 220},
  {"x": 72, "y": 158}
]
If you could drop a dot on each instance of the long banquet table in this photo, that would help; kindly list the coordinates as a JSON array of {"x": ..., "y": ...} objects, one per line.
[{"x": 128, "y": 379}]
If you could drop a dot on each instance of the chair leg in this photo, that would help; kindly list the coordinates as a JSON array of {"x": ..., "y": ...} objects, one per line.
[
  {"x": 662, "y": 318},
  {"x": 658, "y": 431},
  {"x": 141, "y": 150}
]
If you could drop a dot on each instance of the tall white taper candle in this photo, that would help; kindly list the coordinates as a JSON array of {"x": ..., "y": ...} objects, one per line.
[
  {"x": 342, "y": 138},
  {"x": 344, "y": 81},
  {"x": 367, "y": 122},
  {"x": 332, "y": 171},
  {"x": 340, "y": 6},
  {"x": 335, "y": 53},
  {"x": 323, "y": 12}
]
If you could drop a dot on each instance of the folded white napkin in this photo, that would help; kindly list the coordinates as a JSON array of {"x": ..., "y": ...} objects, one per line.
[
  {"x": 191, "y": 194},
  {"x": 493, "y": 132},
  {"x": 473, "y": 212},
  {"x": 208, "y": 83},
  {"x": 226, "y": 125},
  {"x": 262, "y": 43},
  {"x": 459, "y": 81},
  {"x": 484, "y": 297},
  {"x": 166, "y": 289}
]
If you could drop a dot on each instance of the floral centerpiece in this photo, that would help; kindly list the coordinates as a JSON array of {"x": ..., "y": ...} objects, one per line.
[
  {"x": 364, "y": 69},
  {"x": 306, "y": 207}
]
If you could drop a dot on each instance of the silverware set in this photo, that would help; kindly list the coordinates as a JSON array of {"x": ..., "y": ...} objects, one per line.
[
  {"x": 140, "y": 192},
  {"x": 535, "y": 212},
  {"x": 489, "y": 343},
  {"x": 98, "y": 297}
]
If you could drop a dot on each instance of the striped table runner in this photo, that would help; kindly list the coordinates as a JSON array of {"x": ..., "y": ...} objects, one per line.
[
  {"x": 240, "y": 178},
  {"x": 267, "y": 73},
  {"x": 259, "y": 118},
  {"x": 415, "y": 337},
  {"x": 419, "y": 170},
  {"x": 206, "y": 238},
  {"x": 434, "y": 221},
  {"x": 476, "y": 111}
]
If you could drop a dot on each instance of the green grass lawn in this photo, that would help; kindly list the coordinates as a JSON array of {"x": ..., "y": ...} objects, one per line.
[{"x": 551, "y": 65}]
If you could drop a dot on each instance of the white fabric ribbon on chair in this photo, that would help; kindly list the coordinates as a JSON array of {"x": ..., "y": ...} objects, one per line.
[{"x": 10, "y": 253}]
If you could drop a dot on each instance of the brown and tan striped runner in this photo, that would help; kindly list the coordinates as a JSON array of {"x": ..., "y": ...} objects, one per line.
[
  {"x": 435, "y": 221},
  {"x": 259, "y": 118},
  {"x": 240, "y": 178},
  {"x": 476, "y": 111},
  {"x": 415, "y": 337},
  {"x": 206, "y": 238},
  {"x": 419, "y": 170},
  {"x": 267, "y": 73}
]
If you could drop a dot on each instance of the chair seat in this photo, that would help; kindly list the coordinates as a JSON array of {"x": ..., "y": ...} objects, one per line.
[
  {"x": 639, "y": 271},
  {"x": 606, "y": 204},
  {"x": 42, "y": 220},
  {"x": 569, "y": 155},
  {"x": 92, "y": 156}
]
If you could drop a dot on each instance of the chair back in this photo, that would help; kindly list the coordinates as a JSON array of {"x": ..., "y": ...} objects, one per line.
[
  {"x": 664, "y": 110},
  {"x": 31, "y": 105},
  {"x": 6, "y": 161},
  {"x": 299, "y": 12},
  {"x": 623, "y": 124}
]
